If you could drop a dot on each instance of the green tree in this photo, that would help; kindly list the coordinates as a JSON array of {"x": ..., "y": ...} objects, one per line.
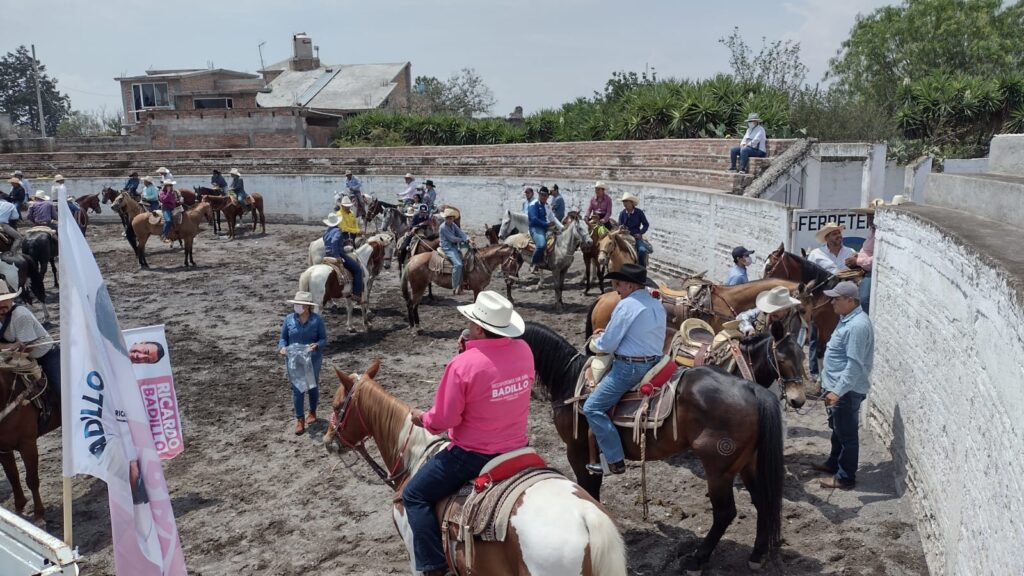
[
  {"x": 464, "y": 93},
  {"x": 777, "y": 64},
  {"x": 18, "y": 93},
  {"x": 895, "y": 45}
]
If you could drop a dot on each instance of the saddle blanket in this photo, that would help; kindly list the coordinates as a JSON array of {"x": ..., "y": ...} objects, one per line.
[{"x": 440, "y": 264}]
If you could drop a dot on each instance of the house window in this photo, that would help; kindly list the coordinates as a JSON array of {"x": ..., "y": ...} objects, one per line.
[
  {"x": 211, "y": 103},
  {"x": 153, "y": 95}
]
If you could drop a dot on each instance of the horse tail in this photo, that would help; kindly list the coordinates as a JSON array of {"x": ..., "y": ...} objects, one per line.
[
  {"x": 403, "y": 279},
  {"x": 35, "y": 279},
  {"x": 589, "y": 326},
  {"x": 770, "y": 470},
  {"x": 607, "y": 550}
]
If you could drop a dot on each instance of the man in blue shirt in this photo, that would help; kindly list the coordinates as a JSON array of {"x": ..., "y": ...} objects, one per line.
[
  {"x": 557, "y": 202},
  {"x": 845, "y": 379},
  {"x": 217, "y": 181},
  {"x": 451, "y": 238},
  {"x": 538, "y": 215},
  {"x": 334, "y": 247},
  {"x": 634, "y": 220},
  {"x": 132, "y": 185},
  {"x": 635, "y": 334},
  {"x": 528, "y": 199},
  {"x": 740, "y": 259}
]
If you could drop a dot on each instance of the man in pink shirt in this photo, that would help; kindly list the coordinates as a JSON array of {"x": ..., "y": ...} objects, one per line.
[
  {"x": 865, "y": 258},
  {"x": 600, "y": 205},
  {"x": 483, "y": 402}
]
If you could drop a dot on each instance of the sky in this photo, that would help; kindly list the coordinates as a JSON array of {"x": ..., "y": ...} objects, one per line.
[{"x": 531, "y": 53}]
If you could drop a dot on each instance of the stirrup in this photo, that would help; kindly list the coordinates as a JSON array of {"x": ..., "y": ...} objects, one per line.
[{"x": 601, "y": 468}]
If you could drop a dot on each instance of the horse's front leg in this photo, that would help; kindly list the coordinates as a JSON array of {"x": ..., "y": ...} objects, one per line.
[
  {"x": 349, "y": 305},
  {"x": 11, "y": 470},
  {"x": 30, "y": 456}
]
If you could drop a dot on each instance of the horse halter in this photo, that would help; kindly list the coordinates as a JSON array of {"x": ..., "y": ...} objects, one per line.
[
  {"x": 338, "y": 419},
  {"x": 781, "y": 260}
]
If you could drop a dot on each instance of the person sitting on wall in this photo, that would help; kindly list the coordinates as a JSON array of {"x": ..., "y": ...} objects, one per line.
[{"x": 754, "y": 144}]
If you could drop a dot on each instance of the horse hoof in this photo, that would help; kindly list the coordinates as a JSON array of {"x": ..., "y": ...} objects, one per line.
[
  {"x": 755, "y": 566},
  {"x": 691, "y": 566}
]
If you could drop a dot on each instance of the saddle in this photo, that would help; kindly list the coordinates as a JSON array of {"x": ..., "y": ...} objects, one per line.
[
  {"x": 440, "y": 264},
  {"x": 344, "y": 276},
  {"x": 157, "y": 218},
  {"x": 482, "y": 508},
  {"x": 524, "y": 243},
  {"x": 692, "y": 342},
  {"x": 35, "y": 229},
  {"x": 34, "y": 381}
]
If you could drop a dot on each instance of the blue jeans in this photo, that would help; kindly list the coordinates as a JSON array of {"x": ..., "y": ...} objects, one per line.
[
  {"x": 455, "y": 256},
  {"x": 865, "y": 292},
  {"x": 540, "y": 240},
  {"x": 356, "y": 271},
  {"x": 168, "y": 219},
  {"x": 298, "y": 397},
  {"x": 744, "y": 154},
  {"x": 844, "y": 420},
  {"x": 620, "y": 379},
  {"x": 154, "y": 205},
  {"x": 641, "y": 252},
  {"x": 440, "y": 476},
  {"x": 812, "y": 351}
]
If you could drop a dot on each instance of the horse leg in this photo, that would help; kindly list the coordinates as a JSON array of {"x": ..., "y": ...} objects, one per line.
[
  {"x": 348, "y": 314},
  {"x": 723, "y": 506},
  {"x": 508, "y": 290},
  {"x": 189, "y": 259},
  {"x": 586, "y": 275},
  {"x": 30, "y": 456},
  {"x": 11, "y": 470},
  {"x": 578, "y": 454},
  {"x": 558, "y": 277},
  {"x": 758, "y": 556}
]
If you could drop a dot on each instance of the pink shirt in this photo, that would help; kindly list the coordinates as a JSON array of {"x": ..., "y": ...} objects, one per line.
[
  {"x": 483, "y": 399},
  {"x": 604, "y": 203},
  {"x": 866, "y": 256}
]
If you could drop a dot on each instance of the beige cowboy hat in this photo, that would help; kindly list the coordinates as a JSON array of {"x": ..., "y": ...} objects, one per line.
[
  {"x": 899, "y": 199},
  {"x": 870, "y": 208},
  {"x": 147, "y": 179},
  {"x": 600, "y": 185},
  {"x": 776, "y": 299},
  {"x": 162, "y": 170},
  {"x": 301, "y": 297},
  {"x": 827, "y": 229},
  {"x": 58, "y": 178},
  {"x": 410, "y": 211},
  {"x": 753, "y": 117},
  {"x": 14, "y": 180},
  {"x": 234, "y": 172},
  {"x": 629, "y": 197},
  {"x": 449, "y": 213},
  {"x": 346, "y": 202},
  {"x": 40, "y": 195},
  {"x": 348, "y": 172},
  {"x": 332, "y": 220},
  {"x": 408, "y": 175},
  {"x": 691, "y": 329},
  {"x": 6, "y": 294},
  {"x": 494, "y": 313}
]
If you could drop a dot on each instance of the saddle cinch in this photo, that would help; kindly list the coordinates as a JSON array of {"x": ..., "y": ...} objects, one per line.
[{"x": 482, "y": 508}]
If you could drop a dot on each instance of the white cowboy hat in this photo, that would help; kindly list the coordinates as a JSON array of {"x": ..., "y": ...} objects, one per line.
[
  {"x": 17, "y": 173},
  {"x": 346, "y": 202},
  {"x": 162, "y": 170},
  {"x": 449, "y": 213},
  {"x": 58, "y": 178},
  {"x": 691, "y": 329},
  {"x": 301, "y": 297},
  {"x": 753, "y": 117},
  {"x": 776, "y": 299},
  {"x": 410, "y": 211},
  {"x": 168, "y": 183},
  {"x": 408, "y": 175},
  {"x": 899, "y": 199},
  {"x": 40, "y": 195},
  {"x": 600, "y": 185},
  {"x": 826, "y": 230},
  {"x": 6, "y": 294},
  {"x": 494, "y": 313},
  {"x": 348, "y": 172},
  {"x": 629, "y": 197},
  {"x": 332, "y": 220},
  {"x": 234, "y": 172}
]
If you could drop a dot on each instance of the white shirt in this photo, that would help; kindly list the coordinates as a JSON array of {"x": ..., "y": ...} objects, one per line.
[
  {"x": 168, "y": 176},
  {"x": 25, "y": 328},
  {"x": 57, "y": 188},
  {"x": 831, "y": 263},
  {"x": 755, "y": 138},
  {"x": 7, "y": 212},
  {"x": 551, "y": 217},
  {"x": 409, "y": 193}
]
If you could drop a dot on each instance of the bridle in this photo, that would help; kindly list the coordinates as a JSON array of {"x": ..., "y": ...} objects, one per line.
[
  {"x": 338, "y": 419},
  {"x": 781, "y": 260},
  {"x": 772, "y": 356}
]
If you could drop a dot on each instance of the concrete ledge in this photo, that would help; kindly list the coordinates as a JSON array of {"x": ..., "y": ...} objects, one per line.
[
  {"x": 993, "y": 196},
  {"x": 1006, "y": 154}
]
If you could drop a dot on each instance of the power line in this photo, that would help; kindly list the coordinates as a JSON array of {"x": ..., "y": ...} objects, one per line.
[{"x": 89, "y": 93}]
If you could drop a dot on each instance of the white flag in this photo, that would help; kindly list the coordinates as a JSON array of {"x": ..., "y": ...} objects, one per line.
[{"x": 105, "y": 429}]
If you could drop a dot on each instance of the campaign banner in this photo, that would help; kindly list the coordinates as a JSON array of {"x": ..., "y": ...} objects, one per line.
[
  {"x": 807, "y": 222},
  {"x": 105, "y": 429},
  {"x": 151, "y": 360}
]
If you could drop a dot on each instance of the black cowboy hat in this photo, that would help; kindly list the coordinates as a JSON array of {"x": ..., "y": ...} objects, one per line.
[
  {"x": 428, "y": 183},
  {"x": 634, "y": 273}
]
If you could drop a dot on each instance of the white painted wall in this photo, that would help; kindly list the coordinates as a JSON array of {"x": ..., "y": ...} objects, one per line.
[
  {"x": 965, "y": 165},
  {"x": 946, "y": 392}
]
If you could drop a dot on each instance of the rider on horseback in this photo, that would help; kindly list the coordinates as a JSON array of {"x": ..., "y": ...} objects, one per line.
[
  {"x": 237, "y": 189},
  {"x": 430, "y": 195},
  {"x": 150, "y": 195},
  {"x": 19, "y": 329},
  {"x": 541, "y": 219},
  {"x": 452, "y": 238},
  {"x": 132, "y": 185},
  {"x": 772, "y": 305},
  {"x": 218, "y": 182},
  {"x": 334, "y": 247},
  {"x": 355, "y": 190},
  {"x": 600, "y": 205},
  {"x": 421, "y": 220},
  {"x": 407, "y": 196},
  {"x": 349, "y": 226},
  {"x": 483, "y": 402},
  {"x": 169, "y": 200},
  {"x": 634, "y": 220}
]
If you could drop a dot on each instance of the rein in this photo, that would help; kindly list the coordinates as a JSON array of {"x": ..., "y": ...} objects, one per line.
[{"x": 338, "y": 419}]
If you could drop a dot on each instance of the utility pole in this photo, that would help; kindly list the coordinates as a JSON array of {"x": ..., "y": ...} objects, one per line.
[
  {"x": 39, "y": 95},
  {"x": 260, "y": 48}
]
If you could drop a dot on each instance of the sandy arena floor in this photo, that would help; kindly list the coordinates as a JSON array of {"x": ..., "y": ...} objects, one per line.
[{"x": 252, "y": 498}]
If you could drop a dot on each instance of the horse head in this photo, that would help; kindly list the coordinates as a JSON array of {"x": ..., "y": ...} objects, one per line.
[
  {"x": 108, "y": 194},
  {"x": 505, "y": 228},
  {"x": 787, "y": 359},
  {"x": 773, "y": 260},
  {"x": 343, "y": 431},
  {"x": 579, "y": 228}
]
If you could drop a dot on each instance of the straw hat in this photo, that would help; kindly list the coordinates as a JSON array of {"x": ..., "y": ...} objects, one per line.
[
  {"x": 168, "y": 182},
  {"x": 58, "y": 178},
  {"x": 600, "y": 185},
  {"x": 408, "y": 175},
  {"x": 410, "y": 210},
  {"x": 346, "y": 202},
  {"x": 234, "y": 172},
  {"x": 826, "y": 230},
  {"x": 332, "y": 220},
  {"x": 899, "y": 199},
  {"x": 147, "y": 179},
  {"x": 162, "y": 170},
  {"x": 776, "y": 299},
  {"x": 6, "y": 294},
  {"x": 13, "y": 180},
  {"x": 449, "y": 213},
  {"x": 691, "y": 329},
  {"x": 753, "y": 117},
  {"x": 629, "y": 197},
  {"x": 40, "y": 195},
  {"x": 494, "y": 313},
  {"x": 348, "y": 172},
  {"x": 301, "y": 297}
]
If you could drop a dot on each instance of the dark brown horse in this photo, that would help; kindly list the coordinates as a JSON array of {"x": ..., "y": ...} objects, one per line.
[
  {"x": 815, "y": 280},
  {"x": 19, "y": 429},
  {"x": 87, "y": 203},
  {"x": 108, "y": 196},
  {"x": 731, "y": 425}
]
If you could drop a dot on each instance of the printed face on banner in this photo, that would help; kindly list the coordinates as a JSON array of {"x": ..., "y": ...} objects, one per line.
[{"x": 147, "y": 348}]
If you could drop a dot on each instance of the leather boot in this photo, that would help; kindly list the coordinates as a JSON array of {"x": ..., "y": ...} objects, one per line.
[
  {"x": 300, "y": 427},
  {"x": 311, "y": 418}
]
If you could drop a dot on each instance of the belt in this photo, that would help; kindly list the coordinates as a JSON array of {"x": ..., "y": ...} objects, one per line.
[{"x": 637, "y": 359}]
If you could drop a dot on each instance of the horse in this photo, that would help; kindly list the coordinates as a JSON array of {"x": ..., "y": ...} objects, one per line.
[
  {"x": 732, "y": 425},
  {"x": 513, "y": 223},
  {"x": 590, "y": 253},
  {"x": 417, "y": 276},
  {"x": 21, "y": 271},
  {"x": 558, "y": 261},
  {"x": 41, "y": 245},
  {"x": 19, "y": 430},
  {"x": 87, "y": 203},
  {"x": 555, "y": 528},
  {"x": 616, "y": 248},
  {"x": 815, "y": 280},
  {"x": 321, "y": 280},
  {"x": 186, "y": 231},
  {"x": 377, "y": 208},
  {"x": 206, "y": 192},
  {"x": 125, "y": 203},
  {"x": 109, "y": 196}
]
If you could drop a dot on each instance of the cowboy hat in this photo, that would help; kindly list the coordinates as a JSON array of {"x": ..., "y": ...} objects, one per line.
[
  {"x": 162, "y": 170},
  {"x": 348, "y": 172},
  {"x": 346, "y": 202},
  {"x": 40, "y": 195},
  {"x": 899, "y": 199},
  {"x": 494, "y": 313},
  {"x": 58, "y": 178},
  {"x": 600, "y": 185},
  {"x": 449, "y": 213},
  {"x": 410, "y": 210},
  {"x": 168, "y": 182},
  {"x": 147, "y": 179},
  {"x": 429, "y": 183},
  {"x": 408, "y": 175},
  {"x": 691, "y": 329},
  {"x": 332, "y": 220},
  {"x": 304, "y": 298},
  {"x": 6, "y": 294},
  {"x": 17, "y": 173},
  {"x": 753, "y": 117},
  {"x": 773, "y": 300},
  {"x": 827, "y": 229},
  {"x": 629, "y": 197},
  {"x": 634, "y": 273},
  {"x": 870, "y": 208},
  {"x": 234, "y": 172},
  {"x": 14, "y": 180}
]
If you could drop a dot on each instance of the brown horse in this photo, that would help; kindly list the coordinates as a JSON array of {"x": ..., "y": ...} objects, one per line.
[
  {"x": 108, "y": 196},
  {"x": 585, "y": 541},
  {"x": 186, "y": 231},
  {"x": 815, "y": 279},
  {"x": 731, "y": 425},
  {"x": 19, "y": 429},
  {"x": 590, "y": 252},
  {"x": 613, "y": 250},
  {"x": 87, "y": 203},
  {"x": 417, "y": 276}
]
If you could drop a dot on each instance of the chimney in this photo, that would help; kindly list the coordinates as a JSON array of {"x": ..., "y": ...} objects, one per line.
[{"x": 302, "y": 53}]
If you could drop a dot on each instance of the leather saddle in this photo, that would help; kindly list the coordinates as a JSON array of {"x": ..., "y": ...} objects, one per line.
[
  {"x": 524, "y": 243},
  {"x": 440, "y": 264},
  {"x": 344, "y": 276},
  {"x": 482, "y": 508},
  {"x": 157, "y": 218}
]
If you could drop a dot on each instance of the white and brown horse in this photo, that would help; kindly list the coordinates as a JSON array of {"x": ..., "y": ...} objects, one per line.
[
  {"x": 323, "y": 282},
  {"x": 556, "y": 527}
]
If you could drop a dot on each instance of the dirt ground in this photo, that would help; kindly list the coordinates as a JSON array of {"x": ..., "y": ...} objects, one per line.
[{"x": 250, "y": 497}]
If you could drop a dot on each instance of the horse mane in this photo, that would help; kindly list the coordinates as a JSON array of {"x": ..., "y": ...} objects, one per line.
[
  {"x": 557, "y": 362},
  {"x": 821, "y": 277}
]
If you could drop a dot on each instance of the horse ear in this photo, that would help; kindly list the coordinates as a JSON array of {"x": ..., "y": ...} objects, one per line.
[
  {"x": 800, "y": 288},
  {"x": 778, "y": 331},
  {"x": 782, "y": 247},
  {"x": 803, "y": 252},
  {"x": 345, "y": 379},
  {"x": 371, "y": 372}
]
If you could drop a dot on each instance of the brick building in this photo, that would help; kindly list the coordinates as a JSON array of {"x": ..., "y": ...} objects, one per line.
[{"x": 188, "y": 89}]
